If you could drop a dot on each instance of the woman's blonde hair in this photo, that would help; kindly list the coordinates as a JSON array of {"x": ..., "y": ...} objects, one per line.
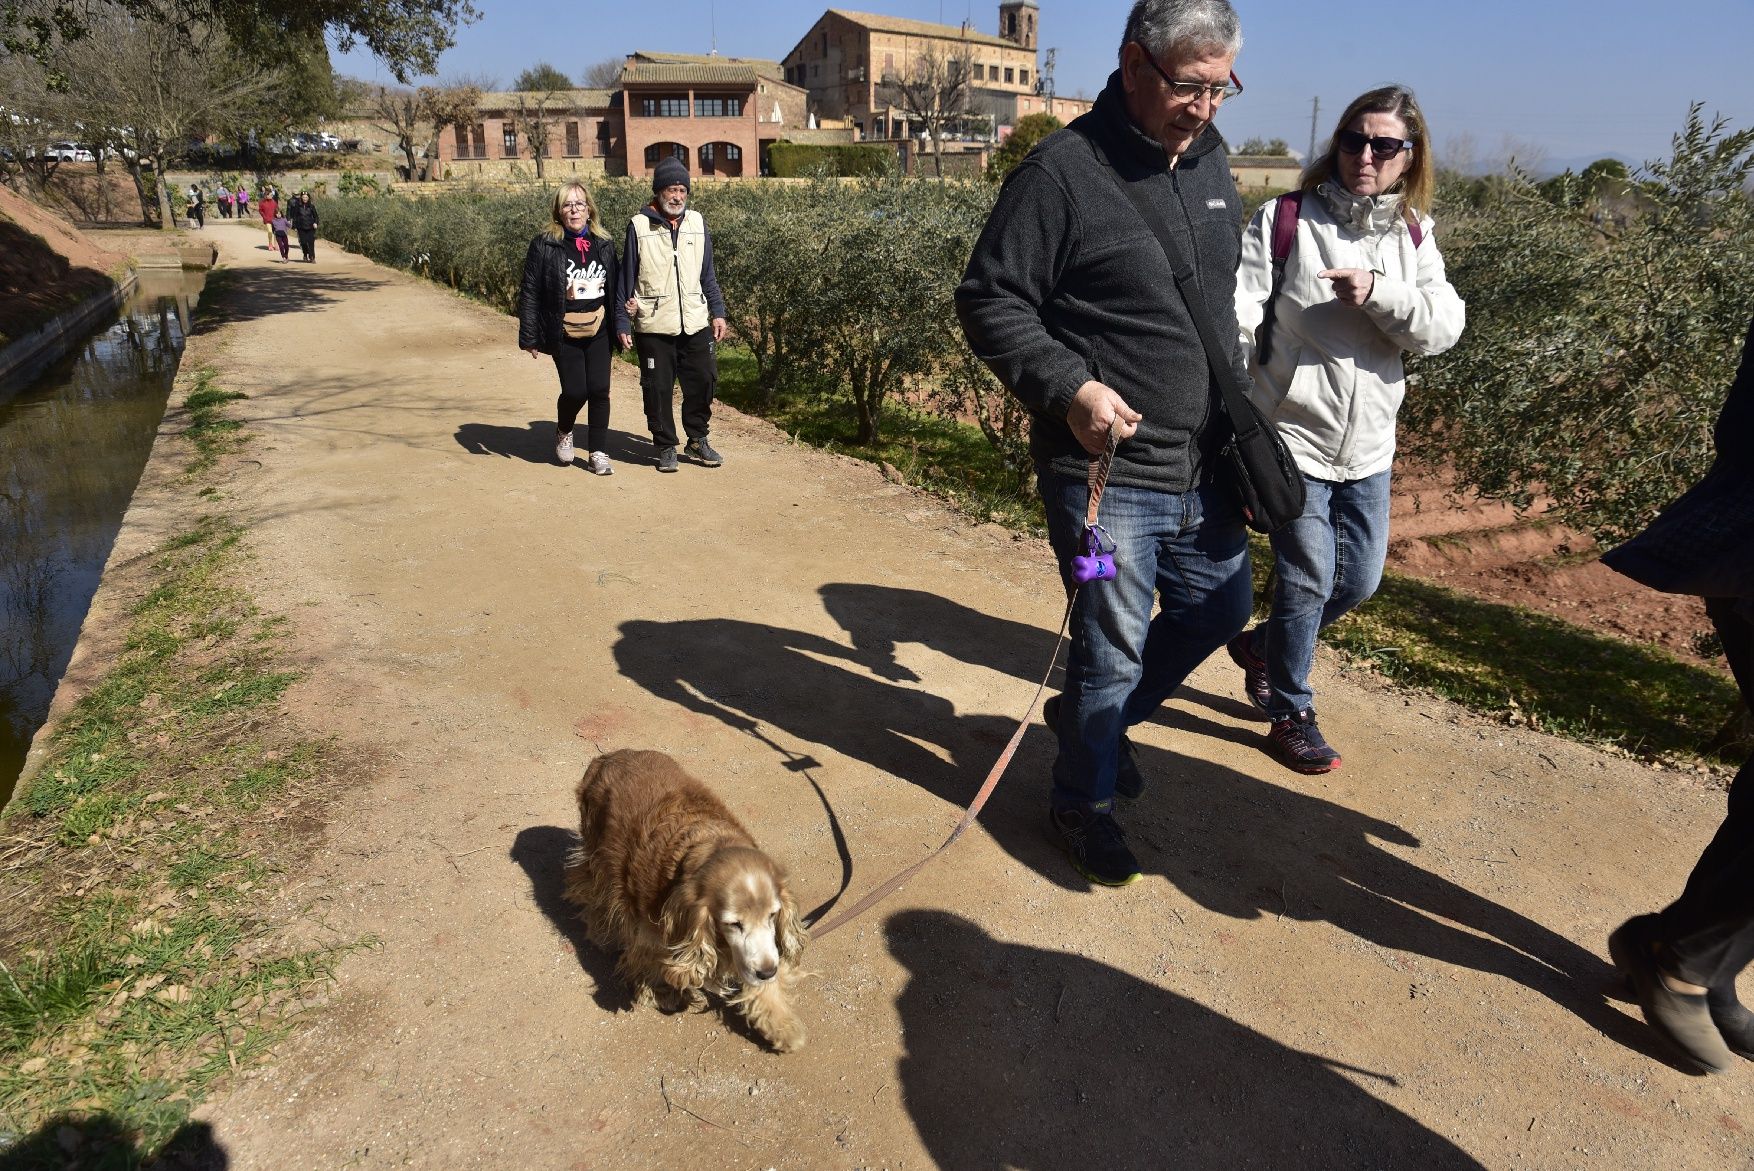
[
  {"x": 1418, "y": 183},
  {"x": 593, "y": 225}
]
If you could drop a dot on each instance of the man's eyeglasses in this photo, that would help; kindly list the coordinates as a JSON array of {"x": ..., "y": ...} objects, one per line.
[
  {"x": 574, "y": 205},
  {"x": 1381, "y": 149},
  {"x": 1193, "y": 91}
]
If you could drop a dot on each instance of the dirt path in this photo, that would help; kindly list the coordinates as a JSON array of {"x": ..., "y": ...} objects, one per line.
[{"x": 1397, "y": 965}]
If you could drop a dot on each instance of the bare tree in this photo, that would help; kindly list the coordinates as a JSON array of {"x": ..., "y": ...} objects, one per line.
[
  {"x": 536, "y": 114},
  {"x": 144, "y": 91},
  {"x": 933, "y": 90},
  {"x": 604, "y": 74},
  {"x": 446, "y": 106},
  {"x": 398, "y": 112}
]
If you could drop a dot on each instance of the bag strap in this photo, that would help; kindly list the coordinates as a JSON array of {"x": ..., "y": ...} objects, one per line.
[
  {"x": 1233, "y": 400},
  {"x": 1285, "y": 214}
]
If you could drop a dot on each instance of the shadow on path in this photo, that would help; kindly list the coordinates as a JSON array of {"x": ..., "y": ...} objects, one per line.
[
  {"x": 1233, "y": 843},
  {"x": 104, "y": 1141},
  {"x": 1019, "y": 1057},
  {"x": 541, "y": 851},
  {"x": 534, "y": 443},
  {"x": 256, "y": 293}
]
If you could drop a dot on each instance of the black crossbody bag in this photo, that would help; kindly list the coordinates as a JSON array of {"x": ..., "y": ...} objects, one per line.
[{"x": 1255, "y": 460}]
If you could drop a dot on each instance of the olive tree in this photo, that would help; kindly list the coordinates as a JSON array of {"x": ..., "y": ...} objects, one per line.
[
  {"x": 886, "y": 315},
  {"x": 1599, "y": 346}
]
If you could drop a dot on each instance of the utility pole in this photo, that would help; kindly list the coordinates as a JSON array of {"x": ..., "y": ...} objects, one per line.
[{"x": 1314, "y": 112}]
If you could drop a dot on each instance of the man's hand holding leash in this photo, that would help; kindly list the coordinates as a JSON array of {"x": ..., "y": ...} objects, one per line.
[{"x": 1096, "y": 408}]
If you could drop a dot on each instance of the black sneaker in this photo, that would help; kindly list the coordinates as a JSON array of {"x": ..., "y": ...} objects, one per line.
[
  {"x": 702, "y": 453},
  {"x": 1254, "y": 669},
  {"x": 666, "y": 459},
  {"x": 1096, "y": 845},
  {"x": 1129, "y": 781},
  {"x": 1297, "y": 744}
]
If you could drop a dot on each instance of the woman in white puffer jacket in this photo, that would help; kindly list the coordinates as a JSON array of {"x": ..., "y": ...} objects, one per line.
[{"x": 1362, "y": 283}]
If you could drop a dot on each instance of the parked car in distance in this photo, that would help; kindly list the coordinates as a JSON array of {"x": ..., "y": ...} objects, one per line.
[{"x": 69, "y": 152}]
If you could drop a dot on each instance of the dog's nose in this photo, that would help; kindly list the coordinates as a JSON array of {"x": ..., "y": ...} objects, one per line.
[{"x": 766, "y": 974}]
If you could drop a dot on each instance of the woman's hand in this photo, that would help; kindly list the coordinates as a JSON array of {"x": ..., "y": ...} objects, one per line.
[
  {"x": 1351, "y": 285},
  {"x": 535, "y": 353}
]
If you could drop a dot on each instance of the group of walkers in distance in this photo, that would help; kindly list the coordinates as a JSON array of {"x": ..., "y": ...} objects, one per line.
[
  {"x": 580, "y": 301},
  {"x": 1092, "y": 294},
  {"x": 297, "y": 216}
]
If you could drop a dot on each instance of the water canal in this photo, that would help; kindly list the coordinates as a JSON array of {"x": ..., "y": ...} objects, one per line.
[{"x": 73, "y": 443}]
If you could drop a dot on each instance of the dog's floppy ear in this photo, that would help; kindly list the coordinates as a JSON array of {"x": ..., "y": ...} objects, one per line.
[
  {"x": 693, "y": 940},
  {"x": 789, "y": 931}
]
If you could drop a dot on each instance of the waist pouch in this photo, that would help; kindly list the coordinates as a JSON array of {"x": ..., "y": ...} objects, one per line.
[{"x": 582, "y": 323}]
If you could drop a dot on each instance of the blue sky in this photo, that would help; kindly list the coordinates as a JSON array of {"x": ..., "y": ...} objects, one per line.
[{"x": 1554, "y": 79}]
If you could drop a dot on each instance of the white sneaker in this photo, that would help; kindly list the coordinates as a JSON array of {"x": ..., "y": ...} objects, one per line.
[
  {"x": 598, "y": 465},
  {"x": 563, "y": 448}
]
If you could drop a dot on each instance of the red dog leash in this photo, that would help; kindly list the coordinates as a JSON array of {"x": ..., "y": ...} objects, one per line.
[{"x": 1097, "y": 481}]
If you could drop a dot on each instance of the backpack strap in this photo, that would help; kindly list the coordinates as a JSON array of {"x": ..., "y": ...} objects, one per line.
[
  {"x": 1413, "y": 229},
  {"x": 1285, "y": 214}
]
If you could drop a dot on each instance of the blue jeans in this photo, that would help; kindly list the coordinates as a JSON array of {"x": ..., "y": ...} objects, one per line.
[
  {"x": 1188, "y": 550},
  {"x": 1327, "y": 561}
]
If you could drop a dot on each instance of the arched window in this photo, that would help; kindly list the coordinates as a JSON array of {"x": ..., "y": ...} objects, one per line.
[
  {"x": 721, "y": 158},
  {"x": 658, "y": 150}
]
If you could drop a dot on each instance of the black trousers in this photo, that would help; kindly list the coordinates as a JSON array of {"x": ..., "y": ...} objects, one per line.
[
  {"x": 583, "y": 366},
  {"x": 1709, "y": 931},
  {"x": 665, "y": 358},
  {"x": 307, "y": 242}
]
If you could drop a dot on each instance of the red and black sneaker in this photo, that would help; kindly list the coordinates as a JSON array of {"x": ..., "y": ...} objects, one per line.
[
  {"x": 1254, "y": 669},
  {"x": 1297, "y": 743}
]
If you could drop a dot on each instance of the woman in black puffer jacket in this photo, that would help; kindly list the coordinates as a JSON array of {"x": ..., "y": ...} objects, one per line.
[{"x": 562, "y": 311}]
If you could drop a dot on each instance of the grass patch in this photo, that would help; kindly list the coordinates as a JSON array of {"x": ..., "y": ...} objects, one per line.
[
  {"x": 1534, "y": 669},
  {"x": 211, "y": 431},
  {"x": 952, "y": 460},
  {"x": 137, "y": 963}
]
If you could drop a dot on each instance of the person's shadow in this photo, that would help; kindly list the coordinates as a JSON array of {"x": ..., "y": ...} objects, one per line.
[
  {"x": 534, "y": 442},
  {"x": 104, "y": 1140},
  {"x": 1231, "y": 842},
  {"x": 1017, "y": 1056}
]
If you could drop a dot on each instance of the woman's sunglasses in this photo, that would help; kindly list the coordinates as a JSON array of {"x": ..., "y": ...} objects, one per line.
[{"x": 1381, "y": 149}]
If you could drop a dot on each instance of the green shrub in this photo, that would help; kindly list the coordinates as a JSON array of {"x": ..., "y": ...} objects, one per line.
[
  {"x": 1602, "y": 334},
  {"x": 793, "y": 160}
]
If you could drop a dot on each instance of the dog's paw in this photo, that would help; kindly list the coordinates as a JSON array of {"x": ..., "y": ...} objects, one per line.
[
  {"x": 784, "y": 1031},
  {"x": 674, "y": 1000}
]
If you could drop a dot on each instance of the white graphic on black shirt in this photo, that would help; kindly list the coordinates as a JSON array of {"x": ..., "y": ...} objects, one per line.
[{"x": 585, "y": 283}]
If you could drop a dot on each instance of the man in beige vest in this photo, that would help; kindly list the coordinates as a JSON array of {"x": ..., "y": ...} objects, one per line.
[{"x": 672, "y": 314}]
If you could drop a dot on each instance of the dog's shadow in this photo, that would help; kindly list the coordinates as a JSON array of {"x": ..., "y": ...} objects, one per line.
[{"x": 541, "y": 851}]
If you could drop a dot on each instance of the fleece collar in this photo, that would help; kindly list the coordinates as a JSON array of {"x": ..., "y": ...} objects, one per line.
[{"x": 1365, "y": 214}]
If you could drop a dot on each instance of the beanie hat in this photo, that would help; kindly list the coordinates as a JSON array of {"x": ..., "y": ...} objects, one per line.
[{"x": 670, "y": 172}]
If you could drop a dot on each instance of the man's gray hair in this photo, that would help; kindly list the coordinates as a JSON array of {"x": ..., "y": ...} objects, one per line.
[{"x": 1170, "y": 27}]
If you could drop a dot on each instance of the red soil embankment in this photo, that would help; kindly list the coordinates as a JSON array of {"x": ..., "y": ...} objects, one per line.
[
  {"x": 46, "y": 265},
  {"x": 1489, "y": 551}
]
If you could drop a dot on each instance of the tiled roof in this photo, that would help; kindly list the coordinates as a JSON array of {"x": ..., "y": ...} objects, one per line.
[
  {"x": 577, "y": 99},
  {"x": 924, "y": 28},
  {"x": 763, "y": 67},
  {"x": 682, "y": 73}
]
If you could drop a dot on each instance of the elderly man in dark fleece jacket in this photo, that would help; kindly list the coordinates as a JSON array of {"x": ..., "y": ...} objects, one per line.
[{"x": 1070, "y": 300}]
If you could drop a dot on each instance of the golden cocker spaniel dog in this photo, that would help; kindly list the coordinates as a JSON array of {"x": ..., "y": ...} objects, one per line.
[{"x": 667, "y": 876}]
